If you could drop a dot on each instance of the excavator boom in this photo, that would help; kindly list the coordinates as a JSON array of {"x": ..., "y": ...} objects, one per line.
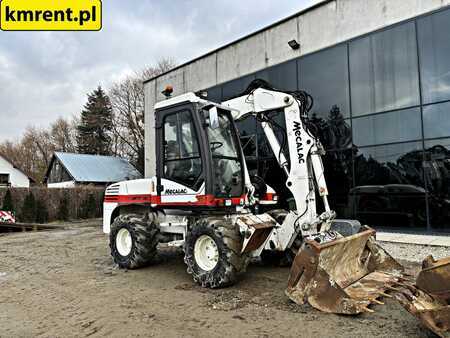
[{"x": 336, "y": 271}]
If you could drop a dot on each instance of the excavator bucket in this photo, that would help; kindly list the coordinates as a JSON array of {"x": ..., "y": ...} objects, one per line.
[
  {"x": 434, "y": 278},
  {"x": 429, "y": 297},
  {"x": 347, "y": 275},
  {"x": 343, "y": 276}
]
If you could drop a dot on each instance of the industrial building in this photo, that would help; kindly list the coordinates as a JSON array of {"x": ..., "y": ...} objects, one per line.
[{"x": 379, "y": 72}]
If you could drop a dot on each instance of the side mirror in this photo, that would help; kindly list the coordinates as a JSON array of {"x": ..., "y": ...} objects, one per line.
[{"x": 213, "y": 118}]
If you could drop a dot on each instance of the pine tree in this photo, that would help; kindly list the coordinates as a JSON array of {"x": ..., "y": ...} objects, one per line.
[
  {"x": 94, "y": 130},
  {"x": 7, "y": 202}
]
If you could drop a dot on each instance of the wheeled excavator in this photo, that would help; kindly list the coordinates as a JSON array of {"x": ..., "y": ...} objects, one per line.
[{"x": 203, "y": 200}]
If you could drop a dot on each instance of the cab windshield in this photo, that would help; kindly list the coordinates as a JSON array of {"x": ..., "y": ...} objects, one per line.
[{"x": 227, "y": 170}]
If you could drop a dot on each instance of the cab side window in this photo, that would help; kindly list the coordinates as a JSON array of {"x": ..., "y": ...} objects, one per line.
[{"x": 182, "y": 162}]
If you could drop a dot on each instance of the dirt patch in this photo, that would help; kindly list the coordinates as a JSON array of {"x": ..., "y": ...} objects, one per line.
[
  {"x": 63, "y": 283},
  {"x": 228, "y": 300}
]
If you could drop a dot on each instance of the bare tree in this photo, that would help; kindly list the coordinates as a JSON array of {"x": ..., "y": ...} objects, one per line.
[
  {"x": 63, "y": 135},
  {"x": 161, "y": 67},
  {"x": 127, "y": 99},
  {"x": 33, "y": 152}
]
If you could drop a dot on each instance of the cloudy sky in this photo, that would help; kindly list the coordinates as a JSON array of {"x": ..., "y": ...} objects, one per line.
[{"x": 44, "y": 75}]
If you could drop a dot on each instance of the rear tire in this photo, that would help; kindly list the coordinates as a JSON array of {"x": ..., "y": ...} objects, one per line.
[
  {"x": 133, "y": 240},
  {"x": 213, "y": 253}
]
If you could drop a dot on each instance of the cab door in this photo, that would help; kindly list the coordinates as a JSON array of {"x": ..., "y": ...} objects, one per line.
[{"x": 180, "y": 165}]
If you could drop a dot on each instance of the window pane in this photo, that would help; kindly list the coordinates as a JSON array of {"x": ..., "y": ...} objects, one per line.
[
  {"x": 187, "y": 146},
  {"x": 181, "y": 151},
  {"x": 282, "y": 76},
  {"x": 236, "y": 87},
  {"x": 389, "y": 186},
  {"x": 383, "y": 71},
  {"x": 184, "y": 171},
  {"x": 324, "y": 75},
  {"x": 221, "y": 140},
  {"x": 437, "y": 174},
  {"x": 338, "y": 169},
  {"x": 436, "y": 120},
  {"x": 334, "y": 132},
  {"x": 434, "y": 47},
  {"x": 4, "y": 179},
  {"x": 189, "y": 142},
  {"x": 398, "y": 126},
  {"x": 231, "y": 182},
  {"x": 172, "y": 147}
]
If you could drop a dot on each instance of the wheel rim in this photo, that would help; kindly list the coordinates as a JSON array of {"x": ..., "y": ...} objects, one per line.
[
  {"x": 206, "y": 253},
  {"x": 124, "y": 242}
]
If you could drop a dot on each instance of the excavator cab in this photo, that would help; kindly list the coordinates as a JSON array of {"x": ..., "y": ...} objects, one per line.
[{"x": 199, "y": 157}]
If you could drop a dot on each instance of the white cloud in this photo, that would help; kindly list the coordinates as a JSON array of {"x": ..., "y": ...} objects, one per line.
[{"x": 44, "y": 75}]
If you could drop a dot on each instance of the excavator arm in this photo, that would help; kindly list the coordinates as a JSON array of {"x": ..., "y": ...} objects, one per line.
[
  {"x": 304, "y": 170},
  {"x": 336, "y": 273}
]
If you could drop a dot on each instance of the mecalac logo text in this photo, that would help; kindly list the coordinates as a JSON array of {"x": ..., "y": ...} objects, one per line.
[
  {"x": 299, "y": 141},
  {"x": 176, "y": 191}
]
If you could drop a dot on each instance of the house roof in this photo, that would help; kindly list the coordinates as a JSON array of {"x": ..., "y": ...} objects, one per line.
[
  {"x": 95, "y": 168},
  {"x": 7, "y": 159}
]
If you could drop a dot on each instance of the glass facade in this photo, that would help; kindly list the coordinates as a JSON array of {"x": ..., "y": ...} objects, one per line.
[
  {"x": 434, "y": 56},
  {"x": 383, "y": 71},
  {"x": 329, "y": 67},
  {"x": 382, "y": 111}
]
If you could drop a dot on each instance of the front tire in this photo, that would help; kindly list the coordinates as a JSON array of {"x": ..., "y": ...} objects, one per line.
[
  {"x": 213, "y": 253},
  {"x": 133, "y": 240}
]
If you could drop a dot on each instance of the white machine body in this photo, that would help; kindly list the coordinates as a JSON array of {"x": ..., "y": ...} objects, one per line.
[{"x": 304, "y": 174}]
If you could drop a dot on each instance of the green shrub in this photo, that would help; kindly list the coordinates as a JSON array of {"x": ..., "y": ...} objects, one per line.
[
  {"x": 41, "y": 212},
  {"x": 88, "y": 207},
  {"x": 91, "y": 206},
  {"x": 28, "y": 213},
  {"x": 7, "y": 202},
  {"x": 63, "y": 208}
]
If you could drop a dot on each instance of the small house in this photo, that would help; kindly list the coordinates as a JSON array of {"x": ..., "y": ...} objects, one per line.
[
  {"x": 67, "y": 170},
  {"x": 12, "y": 176}
]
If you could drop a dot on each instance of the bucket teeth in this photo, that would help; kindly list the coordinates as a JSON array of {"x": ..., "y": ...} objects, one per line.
[
  {"x": 376, "y": 301},
  {"x": 366, "y": 309},
  {"x": 392, "y": 288},
  {"x": 343, "y": 276},
  {"x": 347, "y": 275},
  {"x": 384, "y": 294}
]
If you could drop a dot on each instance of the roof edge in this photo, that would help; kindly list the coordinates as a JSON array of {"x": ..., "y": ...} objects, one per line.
[
  {"x": 50, "y": 166},
  {"x": 56, "y": 157},
  {"x": 303, "y": 11},
  {"x": 17, "y": 168}
]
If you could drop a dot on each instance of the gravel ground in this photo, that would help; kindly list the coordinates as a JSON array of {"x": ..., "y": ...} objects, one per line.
[
  {"x": 64, "y": 284},
  {"x": 413, "y": 252}
]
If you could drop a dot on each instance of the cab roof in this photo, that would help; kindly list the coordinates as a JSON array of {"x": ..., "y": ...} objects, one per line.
[{"x": 190, "y": 97}]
